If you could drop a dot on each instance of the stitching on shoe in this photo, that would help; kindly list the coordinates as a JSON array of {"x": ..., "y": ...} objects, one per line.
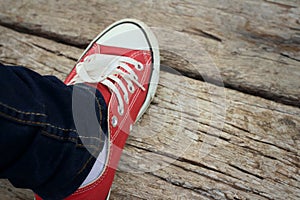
[
  {"x": 134, "y": 100},
  {"x": 98, "y": 181},
  {"x": 101, "y": 178}
]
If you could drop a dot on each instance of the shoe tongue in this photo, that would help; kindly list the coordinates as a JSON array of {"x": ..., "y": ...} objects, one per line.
[
  {"x": 105, "y": 92},
  {"x": 100, "y": 65},
  {"x": 97, "y": 65}
]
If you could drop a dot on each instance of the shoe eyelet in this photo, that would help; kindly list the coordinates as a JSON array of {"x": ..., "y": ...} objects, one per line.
[
  {"x": 114, "y": 121},
  {"x": 136, "y": 77},
  {"x": 139, "y": 67},
  {"x": 120, "y": 110},
  {"x": 130, "y": 88}
]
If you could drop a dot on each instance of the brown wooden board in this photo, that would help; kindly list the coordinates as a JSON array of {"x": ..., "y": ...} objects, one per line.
[
  {"x": 196, "y": 141},
  {"x": 255, "y": 45}
]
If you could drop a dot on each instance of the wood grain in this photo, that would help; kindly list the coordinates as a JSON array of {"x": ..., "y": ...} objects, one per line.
[
  {"x": 255, "y": 45},
  {"x": 196, "y": 141}
]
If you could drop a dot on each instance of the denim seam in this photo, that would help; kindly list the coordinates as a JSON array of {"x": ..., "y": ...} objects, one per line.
[
  {"x": 74, "y": 140},
  {"x": 85, "y": 165},
  {"x": 98, "y": 103},
  {"x": 100, "y": 111},
  {"x": 59, "y": 137},
  {"x": 26, "y": 113},
  {"x": 35, "y": 122},
  {"x": 22, "y": 121},
  {"x": 63, "y": 129},
  {"x": 42, "y": 123},
  {"x": 98, "y": 181},
  {"x": 99, "y": 108},
  {"x": 91, "y": 157}
]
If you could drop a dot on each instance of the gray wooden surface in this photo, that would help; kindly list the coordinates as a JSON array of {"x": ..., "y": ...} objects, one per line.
[
  {"x": 254, "y": 43},
  {"x": 197, "y": 140}
]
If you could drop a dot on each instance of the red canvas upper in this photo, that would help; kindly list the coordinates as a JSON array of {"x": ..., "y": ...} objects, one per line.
[{"x": 99, "y": 189}]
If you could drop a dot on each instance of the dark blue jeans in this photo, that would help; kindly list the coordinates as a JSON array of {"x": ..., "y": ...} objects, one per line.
[{"x": 40, "y": 145}]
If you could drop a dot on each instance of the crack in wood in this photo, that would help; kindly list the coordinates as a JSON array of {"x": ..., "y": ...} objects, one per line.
[
  {"x": 181, "y": 159},
  {"x": 259, "y": 106},
  {"x": 182, "y": 185},
  {"x": 235, "y": 186},
  {"x": 290, "y": 57},
  {"x": 264, "y": 58},
  {"x": 199, "y": 32},
  {"x": 274, "y": 145},
  {"x": 58, "y": 53},
  {"x": 246, "y": 172},
  {"x": 280, "y": 4},
  {"x": 263, "y": 93},
  {"x": 184, "y": 160},
  {"x": 36, "y": 30},
  {"x": 208, "y": 193},
  {"x": 254, "y": 151}
]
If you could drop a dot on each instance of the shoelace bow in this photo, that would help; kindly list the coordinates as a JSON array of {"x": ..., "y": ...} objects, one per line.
[{"x": 89, "y": 71}]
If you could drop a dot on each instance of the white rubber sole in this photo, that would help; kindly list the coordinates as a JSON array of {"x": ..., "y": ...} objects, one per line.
[
  {"x": 107, "y": 198},
  {"x": 156, "y": 59}
]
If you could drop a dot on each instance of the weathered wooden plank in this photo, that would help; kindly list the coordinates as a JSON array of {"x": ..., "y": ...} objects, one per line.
[
  {"x": 245, "y": 161},
  {"x": 194, "y": 142},
  {"x": 8, "y": 192},
  {"x": 254, "y": 44}
]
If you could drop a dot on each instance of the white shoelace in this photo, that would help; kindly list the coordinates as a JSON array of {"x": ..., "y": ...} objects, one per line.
[{"x": 107, "y": 69}]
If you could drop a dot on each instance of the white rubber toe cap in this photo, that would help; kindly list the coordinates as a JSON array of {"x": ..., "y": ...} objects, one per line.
[{"x": 125, "y": 35}]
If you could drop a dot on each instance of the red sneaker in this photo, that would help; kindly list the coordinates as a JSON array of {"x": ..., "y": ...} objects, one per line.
[{"x": 123, "y": 63}]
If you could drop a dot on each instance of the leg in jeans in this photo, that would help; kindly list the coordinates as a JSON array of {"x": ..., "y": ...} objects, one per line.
[{"x": 40, "y": 147}]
